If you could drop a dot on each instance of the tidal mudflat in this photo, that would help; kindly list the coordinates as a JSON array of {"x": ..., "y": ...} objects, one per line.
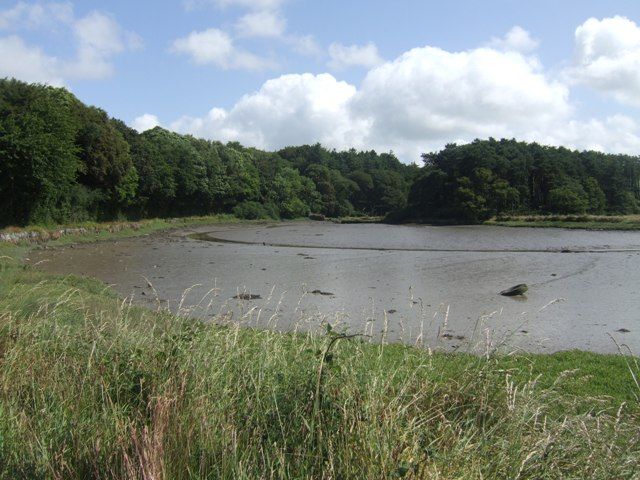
[{"x": 438, "y": 286}]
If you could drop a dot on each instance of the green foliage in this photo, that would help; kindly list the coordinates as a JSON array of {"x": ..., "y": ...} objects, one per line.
[
  {"x": 253, "y": 211},
  {"x": 596, "y": 200},
  {"x": 567, "y": 199},
  {"x": 38, "y": 156},
  {"x": 471, "y": 183},
  {"x": 63, "y": 161}
]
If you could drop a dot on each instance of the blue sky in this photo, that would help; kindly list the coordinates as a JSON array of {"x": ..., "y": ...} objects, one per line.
[{"x": 408, "y": 76}]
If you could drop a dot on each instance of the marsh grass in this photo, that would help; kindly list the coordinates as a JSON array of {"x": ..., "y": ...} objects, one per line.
[
  {"x": 92, "y": 386},
  {"x": 587, "y": 222},
  {"x": 57, "y": 235}
]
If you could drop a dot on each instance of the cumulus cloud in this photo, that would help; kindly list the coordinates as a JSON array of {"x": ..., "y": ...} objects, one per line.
[
  {"x": 616, "y": 133},
  {"x": 422, "y": 100},
  {"x": 517, "y": 39},
  {"x": 608, "y": 58},
  {"x": 98, "y": 39},
  {"x": 215, "y": 47},
  {"x": 428, "y": 94},
  {"x": 343, "y": 56},
  {"x": 288, "y": 110},
  {"x": 145, "y": 122},
  {"x": 418, "y": 102},
  {"x": 28, "y": 63},
  {"x": 263, "y": 23}
]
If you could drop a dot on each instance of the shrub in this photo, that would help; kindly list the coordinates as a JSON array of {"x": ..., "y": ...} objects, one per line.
[{"x": 251, "y": 211}]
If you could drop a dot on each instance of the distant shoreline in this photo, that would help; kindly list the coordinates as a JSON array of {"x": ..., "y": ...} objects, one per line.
[{"x": 578, "y": 222}]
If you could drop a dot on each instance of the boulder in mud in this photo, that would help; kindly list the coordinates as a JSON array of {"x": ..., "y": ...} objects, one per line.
[
  {"x": 320, "y": 292},
  {"x": 247, "y": 296},
  {"x": 515, "y": 291}
]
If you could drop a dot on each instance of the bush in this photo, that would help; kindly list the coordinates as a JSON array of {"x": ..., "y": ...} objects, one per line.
[
  {"x": 252, "y": 211},
  {"x": 294, "y": 208},
  {"x": 567, "y": 199}
]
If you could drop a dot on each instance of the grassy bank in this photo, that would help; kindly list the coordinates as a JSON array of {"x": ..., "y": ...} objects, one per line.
[
  {"x": 585, "y": 222},
  {"x": 94, "y": 231},
  {"x": 92, "y": 387}
]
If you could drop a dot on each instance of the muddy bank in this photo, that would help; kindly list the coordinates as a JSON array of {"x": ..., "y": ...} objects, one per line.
[{"x": 436, "y": 285}]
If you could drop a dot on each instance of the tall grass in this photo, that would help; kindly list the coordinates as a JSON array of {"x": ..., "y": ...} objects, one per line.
[{"x": 93, "y": 387}]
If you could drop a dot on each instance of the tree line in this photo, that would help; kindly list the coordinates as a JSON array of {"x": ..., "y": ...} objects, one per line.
[
  {"x": 473, "y": 182},
  {"x": 63, "y": 161}
]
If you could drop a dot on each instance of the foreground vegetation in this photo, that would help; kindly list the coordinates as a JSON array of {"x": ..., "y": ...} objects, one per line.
[
  {"x": 62, "y": 161},
  {"x": 92, "y": 387}
]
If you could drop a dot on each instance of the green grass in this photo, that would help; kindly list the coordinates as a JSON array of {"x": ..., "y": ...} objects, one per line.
[
  {"x": 584, "y": 222},
  {"x": 93, "y": 387},
  {"x": 95, "y": 231}
]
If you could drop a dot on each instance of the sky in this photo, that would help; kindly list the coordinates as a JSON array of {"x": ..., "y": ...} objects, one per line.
[{"x": 407, "y": 76}]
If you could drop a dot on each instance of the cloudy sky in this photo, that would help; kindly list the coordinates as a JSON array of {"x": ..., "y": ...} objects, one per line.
[{"x": 407, "y": 76}]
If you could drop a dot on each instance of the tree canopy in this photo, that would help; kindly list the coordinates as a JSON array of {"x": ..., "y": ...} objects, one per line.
[
  {"x": 488, "y": 177},
  {"x": 61, "y": 160}
]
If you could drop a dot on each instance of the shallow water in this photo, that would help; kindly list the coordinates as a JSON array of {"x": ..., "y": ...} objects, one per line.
[{"x": 433, "y": 285}]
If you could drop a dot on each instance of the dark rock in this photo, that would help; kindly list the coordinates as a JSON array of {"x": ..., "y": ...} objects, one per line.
[
  {"x": 623, "y": 330},
  {"x": 320, "y": 292},
  {"x": 391, "y": 311},
  {"x": 247, "y": 296},
  {"x": 515, "y": 291}
]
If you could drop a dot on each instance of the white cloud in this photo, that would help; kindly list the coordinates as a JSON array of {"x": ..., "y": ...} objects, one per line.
[
  {"x": 343, "y": 56},
  {"x": 27, "y": 63},
  {"x": 419, "y": 102},
  {"x": 517, "y": 39},
  {"x": 608, "y": 58},
  {"x": 616, "y": 133},
  {"x": 429, "y": 96},
  {"x": 212, "y": 46},
  {"x": 422, "y": 100},
  {"x": 261, "y": 24},
  {"x": 215, "y": 47},
  {"x": 25, "y": 15},
  {"x": 288, "y": 110},
  {"x": 304, "y": 45},
  {"x": 250, "y": 4},
  {"x": 98, "y": 39},
  {"x": 145, "y": 122}
]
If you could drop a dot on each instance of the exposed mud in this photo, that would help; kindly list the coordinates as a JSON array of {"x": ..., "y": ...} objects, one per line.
[{"x": 406, "y": 283}]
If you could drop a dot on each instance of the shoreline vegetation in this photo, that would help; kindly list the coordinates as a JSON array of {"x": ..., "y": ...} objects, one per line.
[
  {"x": 94, "y": 387},
  {"x": 583, "y": 222},
  {"x": 67, "y": 162},
  {"x": 84, "y": 232},
  {"x": 92, "y": 231}
]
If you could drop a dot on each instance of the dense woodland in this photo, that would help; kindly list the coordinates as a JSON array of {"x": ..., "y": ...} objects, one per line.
[{"x": 62, "y": 161}]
